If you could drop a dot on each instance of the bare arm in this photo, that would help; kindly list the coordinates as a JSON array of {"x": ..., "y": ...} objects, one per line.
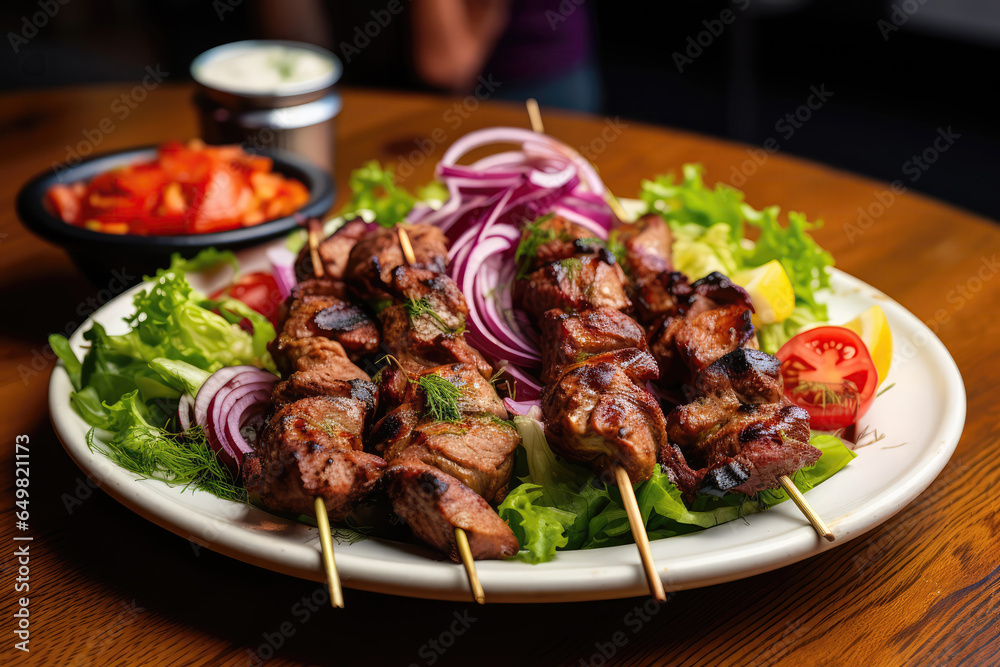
[{"x": 452, "y": 39}]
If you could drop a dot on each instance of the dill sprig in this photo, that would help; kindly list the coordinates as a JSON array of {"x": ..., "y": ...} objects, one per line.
[
  {"x": 534, "y": 237},
  {"x": 440, "y": 398},
  {"x": 822, "y": 394},
  {"x": 572, "y": 266},
  {"x": 417, "y": 308},
  {"x": 885, "y": 389},
  {"x": 184, "y": 459}
]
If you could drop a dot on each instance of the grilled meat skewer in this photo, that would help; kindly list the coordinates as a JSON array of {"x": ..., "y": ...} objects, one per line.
[
  {"x": 442, "y": 472},
  {"x": 595, "y": 359},
  {"x": 313, "y": 444},
  {"x": 738, "y": 431}
]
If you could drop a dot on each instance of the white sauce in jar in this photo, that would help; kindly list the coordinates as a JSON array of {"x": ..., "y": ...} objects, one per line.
[{"x": 265, "y": 69}]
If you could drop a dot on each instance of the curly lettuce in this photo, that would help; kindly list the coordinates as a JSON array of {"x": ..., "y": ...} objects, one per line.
[
  {"x": 562, "y": 506},
  {"x": 171, "y": 321}
]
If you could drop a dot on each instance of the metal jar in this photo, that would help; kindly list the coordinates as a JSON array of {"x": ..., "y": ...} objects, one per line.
[{"x": 301, "y": 120}]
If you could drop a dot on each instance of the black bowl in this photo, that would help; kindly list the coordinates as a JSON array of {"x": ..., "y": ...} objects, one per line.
[{"x": 125, "y": 258}]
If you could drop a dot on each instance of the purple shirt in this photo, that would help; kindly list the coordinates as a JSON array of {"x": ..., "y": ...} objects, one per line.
[{"x": 545, "y": 38}]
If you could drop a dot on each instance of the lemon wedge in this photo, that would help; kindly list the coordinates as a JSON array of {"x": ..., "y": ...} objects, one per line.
[
  {"x": 770, "y": 292},
  {"x": 873, "y": 328}
]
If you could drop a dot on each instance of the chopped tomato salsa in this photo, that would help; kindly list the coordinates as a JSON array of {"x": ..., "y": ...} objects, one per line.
[{"x": 188, "y": 189}]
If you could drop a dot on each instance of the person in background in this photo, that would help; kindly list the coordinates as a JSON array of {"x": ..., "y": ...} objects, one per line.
[{"x": 531, "y": 48}]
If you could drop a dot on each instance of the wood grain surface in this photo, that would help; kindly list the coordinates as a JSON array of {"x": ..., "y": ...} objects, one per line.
[{"x": 110, "y": 588}]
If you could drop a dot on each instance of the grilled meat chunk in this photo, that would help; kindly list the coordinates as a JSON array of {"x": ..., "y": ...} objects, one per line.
[
  {"x": 599, "y": 413},
  {"x": 318, "y": 287},
  {"x": 328, "y": 317},
  {"x": 372, "y": 259},
  {"x": 333, "y": 251},
  {"x": 426, "y": 329},
  {"x": 457, "y": 465},
  {"x": 740, "y": 431},
  {"x": 569, "y": 338},
  {"x": 478, "y": 449},
  {"x": 665, "y": 295},
  {"x": 576, "y": 283},
  {"x": 434, "y": 504},
  {"x": 553, "y": 239},
  {"x": 709, "y": 320},
  {"x": 301, "y": 354},
  {"x": 647, "y": 248},
  {"x": 313, "y": 448}
]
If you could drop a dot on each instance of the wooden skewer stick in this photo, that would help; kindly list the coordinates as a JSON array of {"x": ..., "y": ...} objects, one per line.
[
  {"x": 535, "y": 116},
  {"x": 470, "y": 565},
  {"x": 639, "y": 533},
  {"x": 322, "y": 520},
  {"x": 815, "y": 519},
  {"x": 461, "y": 539},
  {"x": 329, "y": 564},
  {"x": 624, "y": 483},
  {"x": 314, "y": 229}
]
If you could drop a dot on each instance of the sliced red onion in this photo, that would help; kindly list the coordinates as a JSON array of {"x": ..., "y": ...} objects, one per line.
[
  {"x": 185, "y": 406},
  {"x": 283, "y": 269},
  {"x": 520, "y": 408},
  {"x": 243, "y": 411},
  {"x": 489, "y": 201},
  {"x": 212, "y": 385},
  {"x": 232, "y": 395}
]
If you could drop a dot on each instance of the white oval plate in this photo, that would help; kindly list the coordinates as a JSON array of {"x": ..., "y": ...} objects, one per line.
[{"x": 922, "y": 418}]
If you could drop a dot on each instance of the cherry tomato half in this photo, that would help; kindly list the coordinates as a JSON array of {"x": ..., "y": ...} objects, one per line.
[
  {"x": 258, "y": 291},
  {"x": 829, "y": 372}
]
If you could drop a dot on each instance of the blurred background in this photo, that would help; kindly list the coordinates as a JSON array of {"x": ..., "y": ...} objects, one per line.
[{"x": 864, "y": 85}]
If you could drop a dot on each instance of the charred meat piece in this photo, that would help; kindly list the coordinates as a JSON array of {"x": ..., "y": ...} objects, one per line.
[
  {"x": 434, "y": 504},
  {"x": 300, "y": 354},
  {"x": 712, "y": 320},
  {"x": 570, "y": 338},
  {"x": 665, "y": 295},
  {"x": 324, "y": 382},
  {"x": 311, "y": 287},
  {"x": 472, "y": 456},
  {"x": 713, "y": 334},
  {"x": 475, "y": 393},
  {"x": 372, "y": 259},
  {"x": 318, "y": 287},
  {"x": 333, "y": 251},
  {"x": 328, "y": 317},
  {"x": 647, "y": 245},
  {"x": 599, "y": 413},
  {"x": 552, "y": 239},
  {"x": 313, "y": 448},
  {"x": 576, "y": 283},
  {"x": 740, "y": 431},
  {"x": 426, "y": 329},
  {"x": 477, "y": 447}
]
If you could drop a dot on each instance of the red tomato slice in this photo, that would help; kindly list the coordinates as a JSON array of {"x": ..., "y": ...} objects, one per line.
[
  {"x": 829, "y": 372},
  {"x": 65, "y": 202},
  {"x": 257, "y": 290}
]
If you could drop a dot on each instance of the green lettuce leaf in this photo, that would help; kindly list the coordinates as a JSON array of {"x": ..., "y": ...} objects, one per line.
[
  {"x": 172, "y": 323},
  {"x": 698, "y": 251},
  {"x": 560, "y": 507},
  {"x": 374, "y": 188}
]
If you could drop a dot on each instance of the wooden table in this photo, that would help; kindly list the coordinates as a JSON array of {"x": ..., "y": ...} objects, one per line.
[{"x": 110, "y": 588}]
